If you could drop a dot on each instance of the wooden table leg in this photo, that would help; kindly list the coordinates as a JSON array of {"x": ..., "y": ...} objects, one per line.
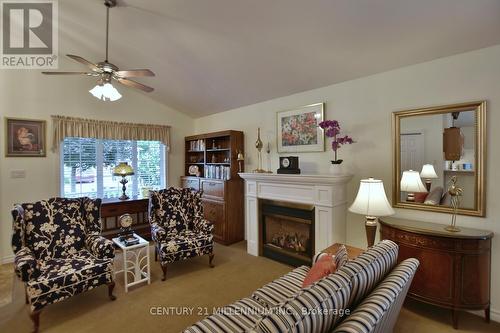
[
  {"x": 487, "y": 314},
  {"x": 35, "y": 317},
  {"x": 454, "y": 318}
]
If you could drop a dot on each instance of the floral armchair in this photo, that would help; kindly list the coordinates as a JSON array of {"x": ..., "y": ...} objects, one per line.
[
  {"x": 178, "y": 227},
  {"x": 59, "y": 251}
]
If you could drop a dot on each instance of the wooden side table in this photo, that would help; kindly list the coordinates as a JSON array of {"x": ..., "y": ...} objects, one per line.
[
  {"x": 455, "y": 267},
  {"x": 352, "y": 252},
  {"x": 135, "y": 262}
]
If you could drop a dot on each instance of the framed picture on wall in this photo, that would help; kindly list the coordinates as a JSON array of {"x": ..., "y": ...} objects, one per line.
[
  {"x": 24, "y": 137},
  {"x": 298, "y": 129}
]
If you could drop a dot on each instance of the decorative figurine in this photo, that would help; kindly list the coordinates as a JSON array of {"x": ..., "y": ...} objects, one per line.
[
  {"x": 259, "y": 145},
  {"x": 268, "y": 151},
  {"x": 456, "y": 192}
]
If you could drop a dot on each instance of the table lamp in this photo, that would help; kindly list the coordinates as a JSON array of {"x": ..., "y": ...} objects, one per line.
[
  {"x": 240, "y": 159},
  {"x": 124, "y": 170},
  {"x": 428, "y": 173},
  {"x": 371, "y": 202},
  {"x": 411, "y": 184}
]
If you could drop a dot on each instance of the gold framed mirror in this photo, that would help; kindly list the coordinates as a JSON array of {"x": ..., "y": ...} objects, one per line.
[{"x": 432, "y": 148}]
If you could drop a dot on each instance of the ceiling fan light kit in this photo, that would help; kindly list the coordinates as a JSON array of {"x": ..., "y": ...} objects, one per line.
[
  {"x": 107, "y": 72},
  {"x": 105, "y": 92}
]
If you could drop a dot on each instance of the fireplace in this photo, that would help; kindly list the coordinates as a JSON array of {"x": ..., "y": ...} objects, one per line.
[{"x": 287, "y": 232}]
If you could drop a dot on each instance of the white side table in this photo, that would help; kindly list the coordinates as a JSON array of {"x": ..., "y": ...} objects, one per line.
[{"x": 135, "y": 262}]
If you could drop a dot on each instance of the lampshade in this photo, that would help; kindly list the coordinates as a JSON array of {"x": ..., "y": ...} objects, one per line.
[
  {"x": 371, "y": 199},
  {"x": 428, "y": 172},
  {"x": 123, "y": 169},
  {"x": 411, "y": 182},
  {"x": 105, "y": 92}
]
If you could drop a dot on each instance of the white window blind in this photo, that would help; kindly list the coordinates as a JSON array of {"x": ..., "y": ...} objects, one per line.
[{"x": 87, "y": 167}]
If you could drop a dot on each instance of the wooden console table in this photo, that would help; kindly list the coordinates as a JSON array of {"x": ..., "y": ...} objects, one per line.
[
  {"x": 111, "y": 209},
  {"x": 455, "y": 268},
  {"x": 352, "y": 252}
]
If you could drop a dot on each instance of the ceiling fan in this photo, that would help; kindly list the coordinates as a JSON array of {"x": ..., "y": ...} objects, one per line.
[{"x": 106, "y": 71}]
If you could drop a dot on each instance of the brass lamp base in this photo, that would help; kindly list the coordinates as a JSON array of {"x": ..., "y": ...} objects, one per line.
[
  {"x": 452, "y": 228},
  {"x": 371, "y": 229},
  {"x": 428, "y": 184},
  {"x": 124, "y": 195},
  {"x": 410, "y": 197}
]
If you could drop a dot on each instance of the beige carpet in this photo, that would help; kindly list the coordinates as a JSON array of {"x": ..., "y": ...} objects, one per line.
[
  {"x": 190, "y": 286},
  {"x": 6, "y": 281}
]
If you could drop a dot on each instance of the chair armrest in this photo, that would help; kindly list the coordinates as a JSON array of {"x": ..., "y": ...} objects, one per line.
[
  {"x": 100, "y": 247},
  {"x": 158, "y": 233},
  {"x": 379, "y": 311},
  {"x": 25, "y": 264},
  {"x": 202, "y": 225}
]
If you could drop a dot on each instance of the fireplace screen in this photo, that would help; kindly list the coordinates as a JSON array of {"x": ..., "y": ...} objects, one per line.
[
  {"x": 288, "y": 235},
  {"x": 287, "y": 232}
]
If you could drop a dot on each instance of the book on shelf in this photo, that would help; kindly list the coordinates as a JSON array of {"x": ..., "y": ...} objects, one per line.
[
  {"x": 218, "y": 172},
  {"x": 197, "y": 145}
]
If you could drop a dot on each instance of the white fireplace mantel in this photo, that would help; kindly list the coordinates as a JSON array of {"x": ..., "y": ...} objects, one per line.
[{"x": 327, "y": 193}]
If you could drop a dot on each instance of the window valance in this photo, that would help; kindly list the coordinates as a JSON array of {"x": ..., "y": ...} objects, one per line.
[{"x": 101, "y": 129}]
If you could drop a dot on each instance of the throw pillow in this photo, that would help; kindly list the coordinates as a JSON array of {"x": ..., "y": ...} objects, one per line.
[
  {"x": 420, "y": 197},
  {"x": 434, "y": 198},
  {"x": 323, "y": 267}
]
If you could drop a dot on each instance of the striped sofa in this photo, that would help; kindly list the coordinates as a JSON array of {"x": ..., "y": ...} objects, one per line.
[{"x": 363, "y": 295}]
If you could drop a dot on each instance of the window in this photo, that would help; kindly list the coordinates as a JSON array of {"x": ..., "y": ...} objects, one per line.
[{"x": 87, "y": 167}]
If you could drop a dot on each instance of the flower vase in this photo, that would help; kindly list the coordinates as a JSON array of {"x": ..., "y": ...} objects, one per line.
[{"x": 336, "y": 167}]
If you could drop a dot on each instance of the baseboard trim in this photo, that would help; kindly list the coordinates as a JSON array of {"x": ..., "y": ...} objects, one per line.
[
  {"x": 7, "y": 259},
  {"x": 494, "y": 314}
]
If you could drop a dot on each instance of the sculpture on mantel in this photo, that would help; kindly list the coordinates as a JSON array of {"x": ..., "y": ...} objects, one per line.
[
  {"x": 456, "y": 192},
  {"x": 259, "y": 145},
  {"x": 268, "y": 151}
]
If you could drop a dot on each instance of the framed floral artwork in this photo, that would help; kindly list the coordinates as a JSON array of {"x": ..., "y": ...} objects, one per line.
[
  {"x": 298, "y": 129},
  {"x": 24, "y": 137}
]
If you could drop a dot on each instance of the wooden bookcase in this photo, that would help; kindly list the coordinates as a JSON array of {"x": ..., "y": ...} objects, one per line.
[{"x": 215, "y": 157}]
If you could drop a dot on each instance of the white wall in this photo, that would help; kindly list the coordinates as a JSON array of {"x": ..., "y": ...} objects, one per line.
[
  {"x": 29, "y": 94},
  {"x": 364, "y": 108},
  {"x": 432, "y": 129}
]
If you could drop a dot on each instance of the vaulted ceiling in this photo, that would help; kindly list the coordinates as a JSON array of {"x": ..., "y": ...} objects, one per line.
[{"x": 215, "y": 55}]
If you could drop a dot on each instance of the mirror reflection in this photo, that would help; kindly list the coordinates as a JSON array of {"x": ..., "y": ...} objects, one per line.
[{"x": 437, "y": 147}]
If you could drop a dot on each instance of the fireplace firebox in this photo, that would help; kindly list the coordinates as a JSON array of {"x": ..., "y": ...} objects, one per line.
[{"x": 287, "y": 232}]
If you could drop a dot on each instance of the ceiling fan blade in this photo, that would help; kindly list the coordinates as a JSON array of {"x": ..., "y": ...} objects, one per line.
[
  {"x": 70, "y": 73},
  {"x": 85, "y": 62},
  {"x": 134, "y": 84},
  {"x": 135, "y": 73}
]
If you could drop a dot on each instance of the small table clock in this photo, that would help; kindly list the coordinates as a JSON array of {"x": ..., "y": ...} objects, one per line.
[
  {"x": 126, "y": 235},
  {"x": 289, "y": 165}
]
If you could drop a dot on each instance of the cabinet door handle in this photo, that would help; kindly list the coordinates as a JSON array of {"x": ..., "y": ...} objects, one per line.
[{"x": 212, "y": 184}]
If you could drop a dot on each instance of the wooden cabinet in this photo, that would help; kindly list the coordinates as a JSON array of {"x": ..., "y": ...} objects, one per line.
[
  {"x": 455, "y": 268},
  {"x": 213, "y": 188},
  {"x": 214, "y": 212},
  {"x": 112, "y": 209},
  {"x": 191, "y": 182},
  {"x": 214, "y": 157}
]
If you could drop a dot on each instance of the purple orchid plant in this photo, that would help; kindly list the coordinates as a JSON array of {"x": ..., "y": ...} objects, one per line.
[{"x": 332, "y": 130}]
